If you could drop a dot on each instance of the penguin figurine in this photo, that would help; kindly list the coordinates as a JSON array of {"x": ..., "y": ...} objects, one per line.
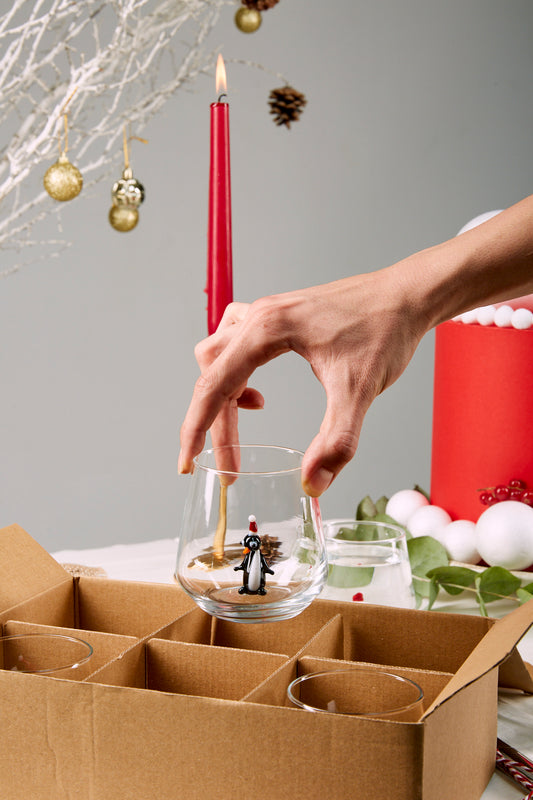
[{"x": 254, "y": 565}]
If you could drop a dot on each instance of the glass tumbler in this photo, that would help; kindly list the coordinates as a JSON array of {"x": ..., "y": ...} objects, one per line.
[
  {"x": 368, "y": 562},
  {"x": 43, "y": 653},
  {"x": 359, "y": 691},
  {"x": 251, "y": 546}
]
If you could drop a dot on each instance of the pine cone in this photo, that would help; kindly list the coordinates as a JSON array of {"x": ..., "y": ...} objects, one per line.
[
  {"x": 260, "y": 5},
  {"x": 286, "y": 104}
]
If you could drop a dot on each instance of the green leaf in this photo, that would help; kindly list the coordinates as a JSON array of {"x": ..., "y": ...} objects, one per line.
[
  {"x": 425, "y": 553},
  {"x": 417, "y": 488},
  {"x": 433, "y": 592},
  {"x": 366, "y": 509},
  {"x": 361, "y": 533},
  {"x": 497, "y": 582},
  {"x": 479, "y": 598},
  {"x": 381, "y": 505},
  {"x": 523, "y": 595},
  {"x": 453, "y": 579},
  {"x": 347, "y": 577},
  {"x": 528, "y": 588}
]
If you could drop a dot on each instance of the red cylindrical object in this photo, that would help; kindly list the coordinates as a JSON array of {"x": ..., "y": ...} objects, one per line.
[
  {"x": 219, "y": 251},
  {"x": 482, "y": 413}
]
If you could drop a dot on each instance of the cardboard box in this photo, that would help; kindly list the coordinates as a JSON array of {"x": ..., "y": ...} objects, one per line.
[{"x": 176, "y": 704}]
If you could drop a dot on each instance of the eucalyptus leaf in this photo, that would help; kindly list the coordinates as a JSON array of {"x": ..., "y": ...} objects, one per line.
[
  {"x": 425, "y": 553},
  {"x": 381, "y": 504},
  {"x": 433, "y": 592},
  {"x": 524, "y": 596},
  {"x": 347, "y": 577},
  {"x": 453, "y": 580},
  {"x": 479, "y": 597},
  {"x": 366, "y": 509},
  {"x": 497, "y": 582}
]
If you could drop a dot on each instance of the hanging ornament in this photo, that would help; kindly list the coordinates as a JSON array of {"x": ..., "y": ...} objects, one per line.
[
  {"x": 63, "y": 181},
  {"x": 248, "y": 18},
  {"x": 127, "y": 195},
  {"x": 286, "y": 104}
]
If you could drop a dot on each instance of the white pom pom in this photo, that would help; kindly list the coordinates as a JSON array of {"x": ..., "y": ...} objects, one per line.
[
  {"x": 429, "y": 521},
  {"x": 469, "y": 316},
  {"x": 459, "y": 539},
  {"x": 485, "y": 315},
  {"x": 502, "y": 317},
  {"x": 504, "y": 535},
  {"x": 251, "y": 518},
  {"x": 402, "y": 505},
  {"x": 522, "y": 319}
]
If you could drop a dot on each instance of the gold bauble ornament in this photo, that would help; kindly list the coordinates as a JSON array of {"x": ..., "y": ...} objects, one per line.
[
  {"x": 123, "y": 218},
  {"x": 63, "y": 181},
  {"x": 127, "y": 191},
  {"x": 248, "y": 20}
]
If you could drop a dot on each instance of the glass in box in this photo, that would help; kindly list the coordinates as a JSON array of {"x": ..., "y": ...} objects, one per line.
[{"x": 251, "y": 546}]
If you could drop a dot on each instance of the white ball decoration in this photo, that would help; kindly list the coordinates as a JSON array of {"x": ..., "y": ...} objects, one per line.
[
  {"x": 402, "y": 505},
  {"x": 459, "y": 539},
  {"x": 469, "y": 316},
  {"x": 522, "y": 319},
  {"x": 504, "y": 535},
  {"x": 428, "y": 521},
  {"x": 502, "y": 316},
  {"x": 485, "y": 315}
]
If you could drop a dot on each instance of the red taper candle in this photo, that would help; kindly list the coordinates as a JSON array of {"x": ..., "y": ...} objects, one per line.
[{"x": 219, "y": 252}]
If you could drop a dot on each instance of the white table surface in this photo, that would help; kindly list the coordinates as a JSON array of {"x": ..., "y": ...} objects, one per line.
[{"x": 155, "y": 561}]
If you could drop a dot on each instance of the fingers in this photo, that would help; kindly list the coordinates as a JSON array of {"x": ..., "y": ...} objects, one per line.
[
  {"x": 336, "y": 443},
  {"x": 227, "y": 359}
]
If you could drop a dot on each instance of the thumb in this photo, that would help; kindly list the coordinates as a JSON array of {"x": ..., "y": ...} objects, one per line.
[{"x": 335, "y": 444}]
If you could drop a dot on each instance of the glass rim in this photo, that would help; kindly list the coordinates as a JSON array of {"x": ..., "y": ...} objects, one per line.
[
  {"x": 353, "y": 670},
  {"x": 75, "y": 639},
  {"x": 351, "y": 523},
  {"x": 236, "y": 473}
]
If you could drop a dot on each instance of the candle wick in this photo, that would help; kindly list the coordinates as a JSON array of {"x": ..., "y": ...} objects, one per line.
[{"x": 221, "y": 96}]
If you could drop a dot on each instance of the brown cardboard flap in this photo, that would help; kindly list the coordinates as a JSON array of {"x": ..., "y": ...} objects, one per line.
[
  {"x": 491, "y": 651},
  {"x": 26, "y": 569}
]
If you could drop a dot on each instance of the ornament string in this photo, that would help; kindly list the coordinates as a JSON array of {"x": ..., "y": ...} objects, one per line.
[
  {"x": 63, "y": 113},
  {"x": 125, "y": 140}
]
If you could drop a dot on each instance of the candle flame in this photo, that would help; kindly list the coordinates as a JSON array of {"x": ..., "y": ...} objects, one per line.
[{"x": 220, "y": 76}]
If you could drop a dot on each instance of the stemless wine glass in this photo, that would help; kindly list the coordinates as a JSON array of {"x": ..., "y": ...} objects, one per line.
[
  {"x": 251, "y": 546},
  {"x": 359, "y": 691},
  {"x": 368, "y": 561},
  {"x": 43, "y": 653}
]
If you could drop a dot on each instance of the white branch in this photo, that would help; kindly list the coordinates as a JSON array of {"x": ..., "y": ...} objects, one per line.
[{"x": 122, "y": 59}]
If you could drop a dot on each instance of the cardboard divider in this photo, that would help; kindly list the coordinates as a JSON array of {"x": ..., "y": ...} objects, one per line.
[
  {"x": 385, "y": 635},
  {"x": 327, "y": 642},
  {"x": 205, "y": 670},
  {"x": 286, "y": 637},
  {"x": 53, "y": 606},
  {"x": 194, "y": 626},
  {"x": 106, "y": 646},
  {"x": 125, "y": 607}
]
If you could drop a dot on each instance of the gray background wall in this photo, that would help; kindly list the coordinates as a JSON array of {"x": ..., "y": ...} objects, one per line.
[{"x": 419, "y": 118}]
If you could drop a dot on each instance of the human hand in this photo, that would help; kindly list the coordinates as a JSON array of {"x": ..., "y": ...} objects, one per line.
[{"x": 358, "y": 334}]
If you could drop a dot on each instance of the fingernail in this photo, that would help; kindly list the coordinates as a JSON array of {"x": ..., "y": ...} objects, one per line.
[
  {"x": 182, "y": 467},
  {"x": 318, "y": 482}
]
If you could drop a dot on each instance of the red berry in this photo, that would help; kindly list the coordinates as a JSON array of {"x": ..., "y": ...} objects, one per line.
[
  {"x": 358, "y": 597},
  {"x": 487, "y": 498},
  {"x": 527, "y": 498},
  {"x": 517, "y": 484},
  {"x": 502, "y": 492},
  {"x": 516, "y": 494}
]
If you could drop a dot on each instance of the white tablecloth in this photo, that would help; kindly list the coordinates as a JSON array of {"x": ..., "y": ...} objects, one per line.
[{"x": 155, "y": 562}]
